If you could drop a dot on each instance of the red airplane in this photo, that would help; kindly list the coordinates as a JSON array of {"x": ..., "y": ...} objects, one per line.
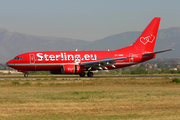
[{"x": 77, "y": 62}]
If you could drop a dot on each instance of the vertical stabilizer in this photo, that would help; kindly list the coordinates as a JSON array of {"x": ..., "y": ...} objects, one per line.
[{"x": 146, "y": 41}]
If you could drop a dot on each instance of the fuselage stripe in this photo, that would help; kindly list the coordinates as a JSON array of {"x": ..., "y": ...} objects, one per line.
[{"x": 65, "y": 63}]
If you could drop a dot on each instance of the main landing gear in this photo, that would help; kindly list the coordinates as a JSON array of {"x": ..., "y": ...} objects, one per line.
[
  {"x": 89, "y": 74},
  {"x": 25, "y": 74}
]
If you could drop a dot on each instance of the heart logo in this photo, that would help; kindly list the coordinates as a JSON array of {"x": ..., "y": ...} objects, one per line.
[
  {"x": 151, "y": 38},
  {"x": 143, "y": 40},
  {"x": 147, "y": 39}
]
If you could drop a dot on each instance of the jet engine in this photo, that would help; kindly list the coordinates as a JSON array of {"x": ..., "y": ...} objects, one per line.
[{"x": 70, "y": 69}]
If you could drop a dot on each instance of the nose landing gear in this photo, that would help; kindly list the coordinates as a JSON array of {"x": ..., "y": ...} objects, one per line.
[{"x": 25, "y": 74}]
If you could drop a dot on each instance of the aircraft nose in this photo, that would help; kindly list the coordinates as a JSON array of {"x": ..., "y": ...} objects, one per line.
[{"x": 9, "y": 63}]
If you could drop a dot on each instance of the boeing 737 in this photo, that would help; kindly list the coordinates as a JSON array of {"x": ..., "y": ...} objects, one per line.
[{"x": 77, "y": 62}]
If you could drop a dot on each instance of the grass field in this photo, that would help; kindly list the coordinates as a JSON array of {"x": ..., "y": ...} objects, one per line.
[{"x": 99, "y": 98}]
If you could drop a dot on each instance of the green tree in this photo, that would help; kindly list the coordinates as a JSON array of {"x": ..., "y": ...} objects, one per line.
[{"x": 138, "y": 70}]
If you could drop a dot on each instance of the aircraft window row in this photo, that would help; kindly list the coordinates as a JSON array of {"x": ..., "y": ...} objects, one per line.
[
  {"x": 18, "y": 58},
  {"x": 77, "y": 58}
]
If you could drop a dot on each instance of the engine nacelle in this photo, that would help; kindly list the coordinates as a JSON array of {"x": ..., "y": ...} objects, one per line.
[{"x": 72, "y": 69}]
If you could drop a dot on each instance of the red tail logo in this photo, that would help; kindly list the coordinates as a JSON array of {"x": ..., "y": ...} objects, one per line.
[{"x": 147, "y": 39}]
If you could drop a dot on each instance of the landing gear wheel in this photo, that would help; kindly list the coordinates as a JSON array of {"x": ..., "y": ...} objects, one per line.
[
  {"x": 90, "y": 74},
  {"x": 25, "y": 74},
  {"x": 82, "y": 75}
]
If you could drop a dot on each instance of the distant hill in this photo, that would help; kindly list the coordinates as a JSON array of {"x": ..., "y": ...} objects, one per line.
[
  {"x": 169, "y": 38},
  {"x": 13, "y": 43},
  {"x": 114, "y": 42}
]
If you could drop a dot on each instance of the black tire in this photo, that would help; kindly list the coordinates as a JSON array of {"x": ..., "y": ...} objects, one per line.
[
  {"x": 82, "y": 75},
  {"x": 90, "y": 74},
  {"x": 25, "y": 74}
]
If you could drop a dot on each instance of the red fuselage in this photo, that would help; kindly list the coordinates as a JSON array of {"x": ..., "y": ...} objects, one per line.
[{"x": 53, "y": 60}]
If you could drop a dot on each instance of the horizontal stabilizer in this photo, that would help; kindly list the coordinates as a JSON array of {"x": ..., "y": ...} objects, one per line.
[{"x": 153, "y": 53}]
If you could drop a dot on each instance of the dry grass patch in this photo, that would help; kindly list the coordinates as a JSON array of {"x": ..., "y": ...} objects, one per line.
[{"x": 91, "y": 99}]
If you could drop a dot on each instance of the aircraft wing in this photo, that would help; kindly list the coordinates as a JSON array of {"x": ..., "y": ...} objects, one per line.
[
  {"x": 149, "y": 54},
  {"x": 102, "y": 63}
]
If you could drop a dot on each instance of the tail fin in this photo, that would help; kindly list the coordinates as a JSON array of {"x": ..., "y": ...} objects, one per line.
[{"x": 146, "y": 41}]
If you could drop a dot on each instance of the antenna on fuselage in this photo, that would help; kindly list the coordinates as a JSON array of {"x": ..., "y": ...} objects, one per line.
[{"x": 76, "y": 49}]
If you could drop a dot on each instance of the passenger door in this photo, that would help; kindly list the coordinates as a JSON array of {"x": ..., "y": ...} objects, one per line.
[
  {"x": 32, "y": 58},
  {"x": 131, "y": 59}
]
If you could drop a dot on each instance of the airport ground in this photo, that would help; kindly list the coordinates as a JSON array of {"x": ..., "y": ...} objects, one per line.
[{"x": 71, "y": 97}]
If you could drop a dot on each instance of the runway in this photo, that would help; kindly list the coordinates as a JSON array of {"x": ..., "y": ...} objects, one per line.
[{"x": 2, "y": 77}]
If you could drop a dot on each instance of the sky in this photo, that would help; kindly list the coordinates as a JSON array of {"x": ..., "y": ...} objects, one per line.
[{"x": 85, "y": 19}]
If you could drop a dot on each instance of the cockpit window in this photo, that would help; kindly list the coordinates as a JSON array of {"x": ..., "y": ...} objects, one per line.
[{"x": 18, "y": 58}]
